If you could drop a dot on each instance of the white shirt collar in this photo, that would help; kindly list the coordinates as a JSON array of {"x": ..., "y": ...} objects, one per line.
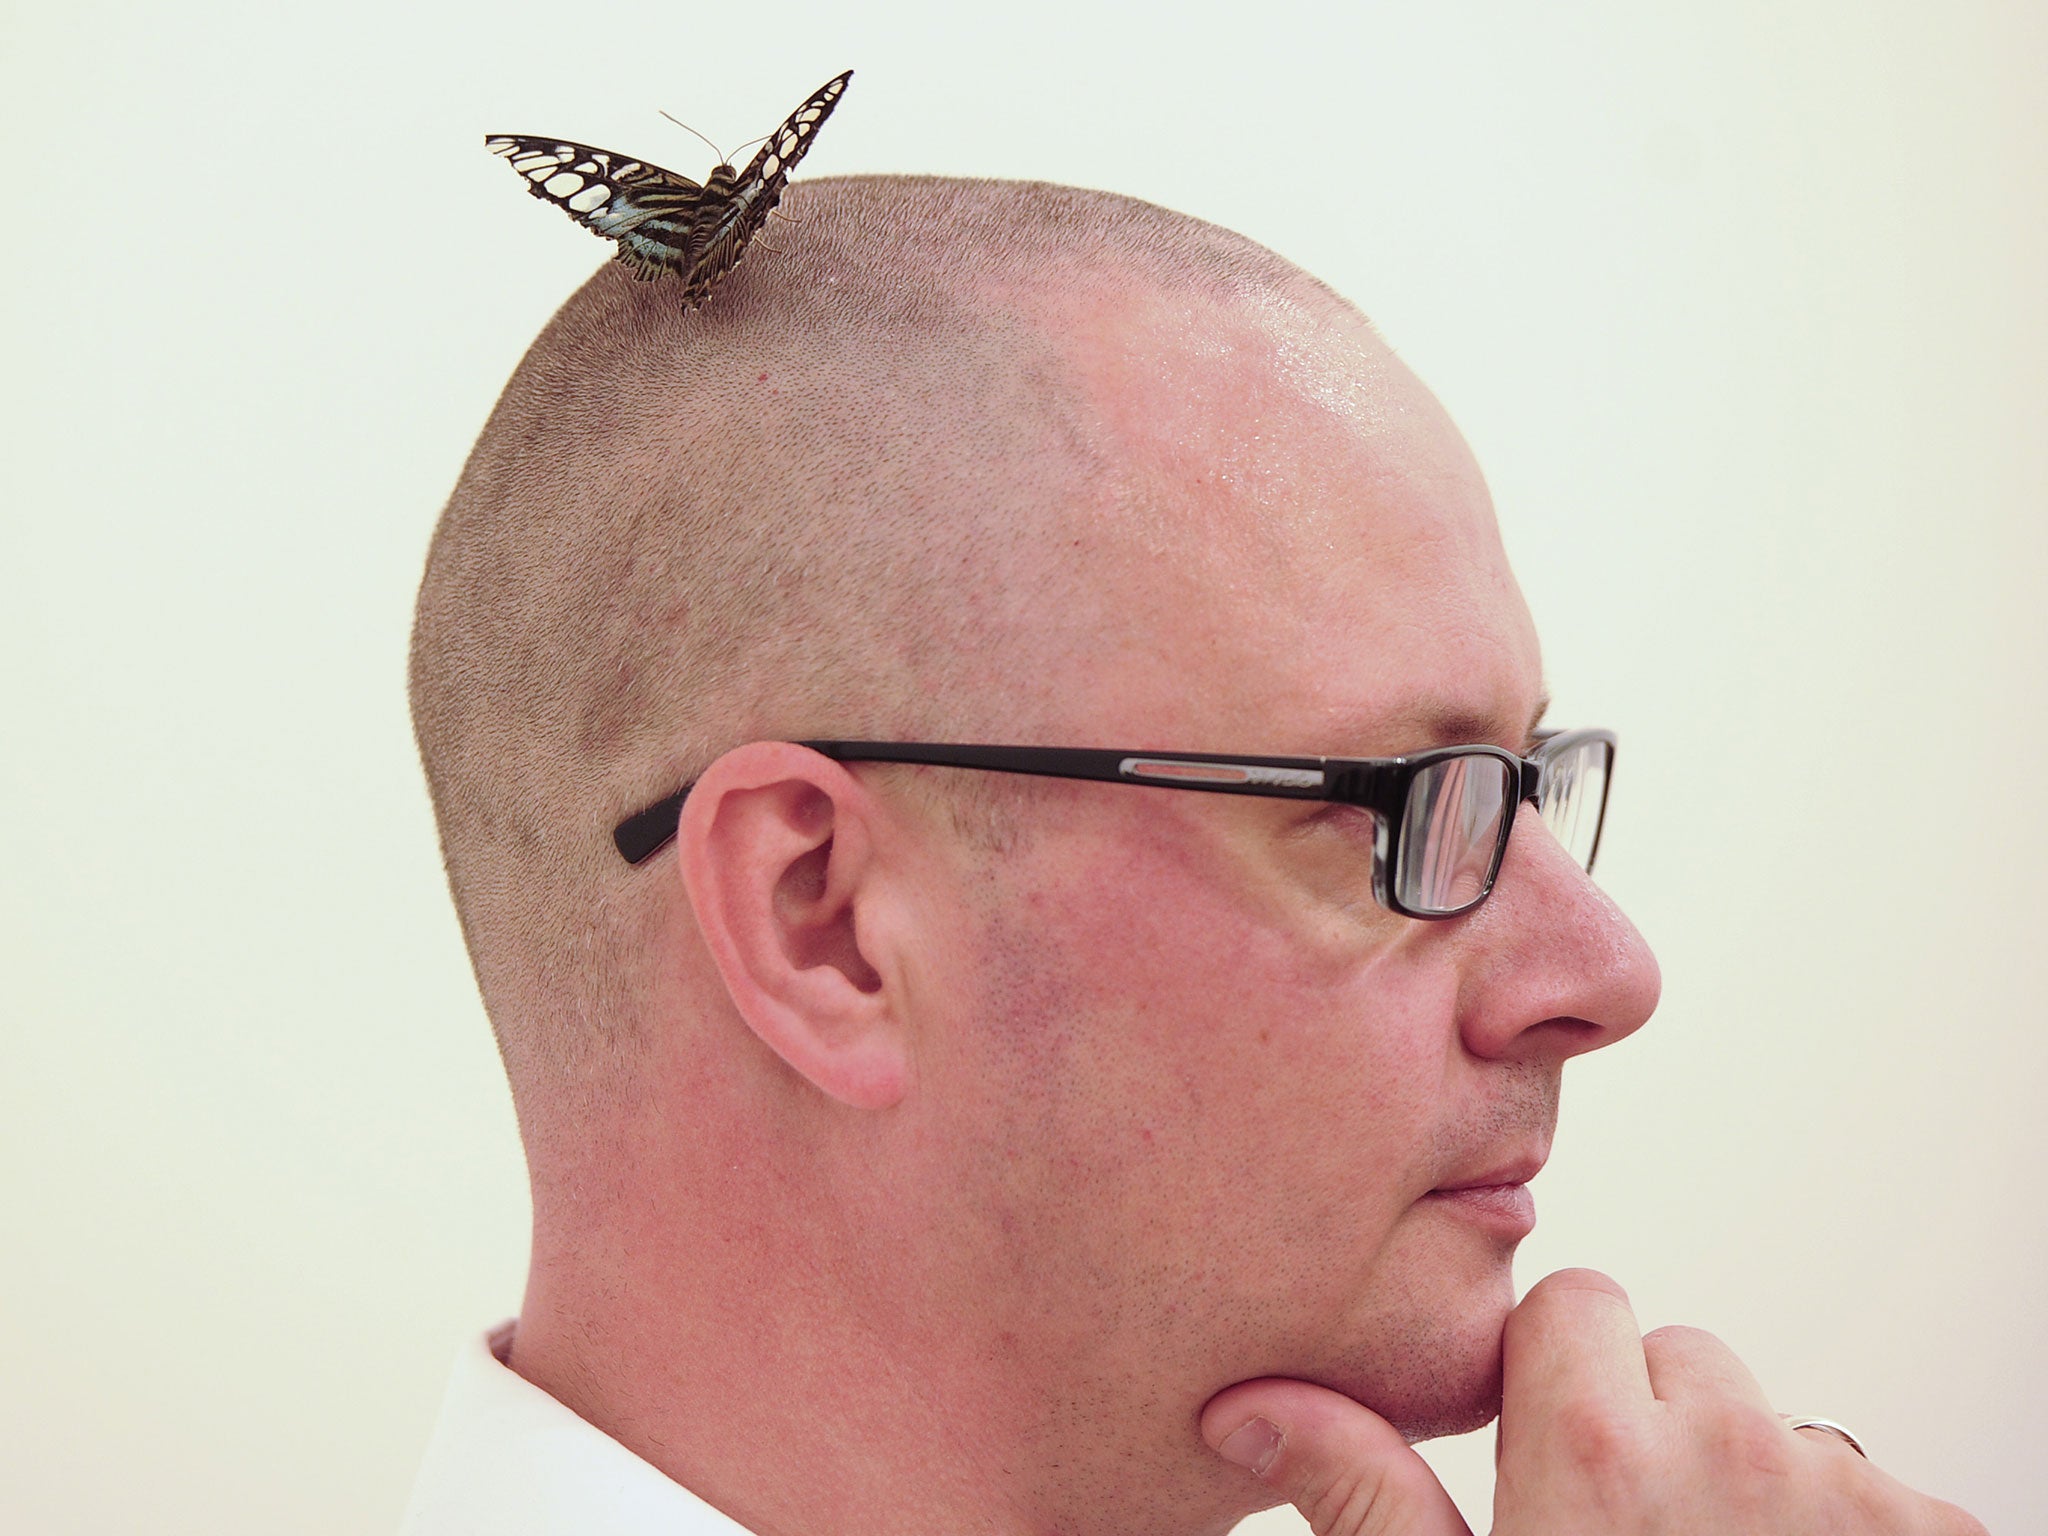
[{"x": 510, "y": 1460}]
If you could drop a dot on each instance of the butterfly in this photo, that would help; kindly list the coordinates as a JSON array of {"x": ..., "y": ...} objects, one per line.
[{"x": 665, "y": 223}]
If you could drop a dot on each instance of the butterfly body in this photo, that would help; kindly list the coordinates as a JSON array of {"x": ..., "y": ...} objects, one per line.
[{"x": 665, "y": 224}]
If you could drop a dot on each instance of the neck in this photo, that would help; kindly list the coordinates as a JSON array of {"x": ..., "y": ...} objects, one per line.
[{"x": 818, "y": 1391}]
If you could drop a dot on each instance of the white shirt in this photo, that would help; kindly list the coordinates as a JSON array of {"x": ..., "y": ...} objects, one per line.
[{"x": 508, "y": 1460}]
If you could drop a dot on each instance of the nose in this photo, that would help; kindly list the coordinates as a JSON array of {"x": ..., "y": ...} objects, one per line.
[{"x": 1555, "y": 968}]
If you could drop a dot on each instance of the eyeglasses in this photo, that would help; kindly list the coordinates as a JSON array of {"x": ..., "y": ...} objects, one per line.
[{"x": 1442, "y": 817}]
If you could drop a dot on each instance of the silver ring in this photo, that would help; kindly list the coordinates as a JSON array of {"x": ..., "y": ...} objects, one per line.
[{"x": 1839, "y": 1431}]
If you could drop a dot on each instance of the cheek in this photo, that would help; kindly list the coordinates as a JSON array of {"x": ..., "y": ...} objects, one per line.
[{"x": 1191, "y": 1044}]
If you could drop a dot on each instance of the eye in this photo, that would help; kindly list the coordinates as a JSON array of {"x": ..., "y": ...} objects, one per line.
[
  {"x": 1350, "y": 822},
  {"x": 1333, "y": 851}
]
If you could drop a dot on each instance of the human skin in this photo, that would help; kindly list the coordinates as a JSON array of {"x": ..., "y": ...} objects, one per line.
[
  {"x": 963, "y": 1177},
  {"x": 1603, "y": 1429}
]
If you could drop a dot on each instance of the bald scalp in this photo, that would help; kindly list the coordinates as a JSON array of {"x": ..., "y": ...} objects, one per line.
[{"x": 850, "y": 496}]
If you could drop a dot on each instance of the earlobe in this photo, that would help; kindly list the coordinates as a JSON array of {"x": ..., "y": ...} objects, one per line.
[{"x": 777, "y": 851}]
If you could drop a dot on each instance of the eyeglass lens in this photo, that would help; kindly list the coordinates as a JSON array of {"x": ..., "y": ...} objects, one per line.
[
  {"x": 1450, "y": 832},
  {"x": 1574, "y": 790}
]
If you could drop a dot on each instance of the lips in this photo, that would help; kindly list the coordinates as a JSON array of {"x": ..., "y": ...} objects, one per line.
[
  {"x": 1497, "y": 1198},
  {"x": 1516, "y": 1170}
]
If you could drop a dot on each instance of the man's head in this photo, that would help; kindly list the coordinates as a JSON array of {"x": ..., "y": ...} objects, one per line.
[{"x": 1077, "y": 1102}]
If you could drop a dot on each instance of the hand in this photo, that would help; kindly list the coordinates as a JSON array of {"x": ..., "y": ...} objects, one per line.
[{"x": 1602, "y": 1431}]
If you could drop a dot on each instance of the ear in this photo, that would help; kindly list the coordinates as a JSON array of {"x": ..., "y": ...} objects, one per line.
[{"x": 777, "y": 849}]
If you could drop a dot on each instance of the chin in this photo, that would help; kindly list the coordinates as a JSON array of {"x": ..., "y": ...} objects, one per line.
[
  {"x": 1435, "y": 1420},
  {"x": 1435, "y": 1373}
]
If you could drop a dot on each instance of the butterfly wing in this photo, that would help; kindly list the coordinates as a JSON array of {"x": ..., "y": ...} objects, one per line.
[
  {"x": 771, "y": 166},
  {"x": 647, "y": 210},
  {"x": 664, "y": 222},
  {"x": 725, "y": 224}
]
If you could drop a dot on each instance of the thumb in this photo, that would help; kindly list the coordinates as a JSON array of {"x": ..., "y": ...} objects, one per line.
[{"x": 1344, "y": 1467}]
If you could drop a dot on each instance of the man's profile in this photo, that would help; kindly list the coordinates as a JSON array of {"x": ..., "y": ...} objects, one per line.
[{"x": 923, "y": 1145}]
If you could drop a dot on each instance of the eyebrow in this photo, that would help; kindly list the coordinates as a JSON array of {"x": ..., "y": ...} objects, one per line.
[{"x": 1434, "y": 724}]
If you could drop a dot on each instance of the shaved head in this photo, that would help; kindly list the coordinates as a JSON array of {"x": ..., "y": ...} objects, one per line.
[
  {"x": 913, "y": 1143},
  {"x": 871, "y": 489}
]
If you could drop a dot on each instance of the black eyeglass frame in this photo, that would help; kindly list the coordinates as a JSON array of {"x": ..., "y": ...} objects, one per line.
[{"x": 1376, "y": 784}]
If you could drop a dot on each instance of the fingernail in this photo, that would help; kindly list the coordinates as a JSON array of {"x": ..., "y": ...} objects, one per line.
[{"x": 1252, "y": 1446}]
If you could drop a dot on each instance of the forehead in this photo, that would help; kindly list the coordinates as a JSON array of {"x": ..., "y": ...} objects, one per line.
[{"x": 1291, "y": 548}]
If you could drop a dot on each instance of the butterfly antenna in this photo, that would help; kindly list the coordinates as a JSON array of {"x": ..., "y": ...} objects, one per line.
[
  {"x": 748, "y": 145},
  {"x": 722, "y": 160}
]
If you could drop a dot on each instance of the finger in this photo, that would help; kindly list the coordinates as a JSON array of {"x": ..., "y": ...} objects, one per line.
[
  {"x": 1344, "y": 1467},
  {"x": 1690, "y": 1364},
  {"x": 1573, "y": 1339}
]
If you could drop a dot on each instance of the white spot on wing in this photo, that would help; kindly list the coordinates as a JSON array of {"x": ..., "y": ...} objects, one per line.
[
  {"x": 591, "y": 198},
  {"x": 564, "y": 184}
]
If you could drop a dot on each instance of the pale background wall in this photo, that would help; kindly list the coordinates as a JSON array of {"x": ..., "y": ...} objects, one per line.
[{"x": 1740, "y": 303}]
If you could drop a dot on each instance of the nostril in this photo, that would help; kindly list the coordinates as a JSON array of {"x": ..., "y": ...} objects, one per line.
[{"x": 1578, "y": 1034}]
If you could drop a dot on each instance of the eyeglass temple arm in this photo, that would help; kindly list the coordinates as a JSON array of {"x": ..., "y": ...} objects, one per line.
[
  {"x": 1305, "y": 776},
  {"x": 645, "y": 833},
  {"x": 639, "y": 837}
]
